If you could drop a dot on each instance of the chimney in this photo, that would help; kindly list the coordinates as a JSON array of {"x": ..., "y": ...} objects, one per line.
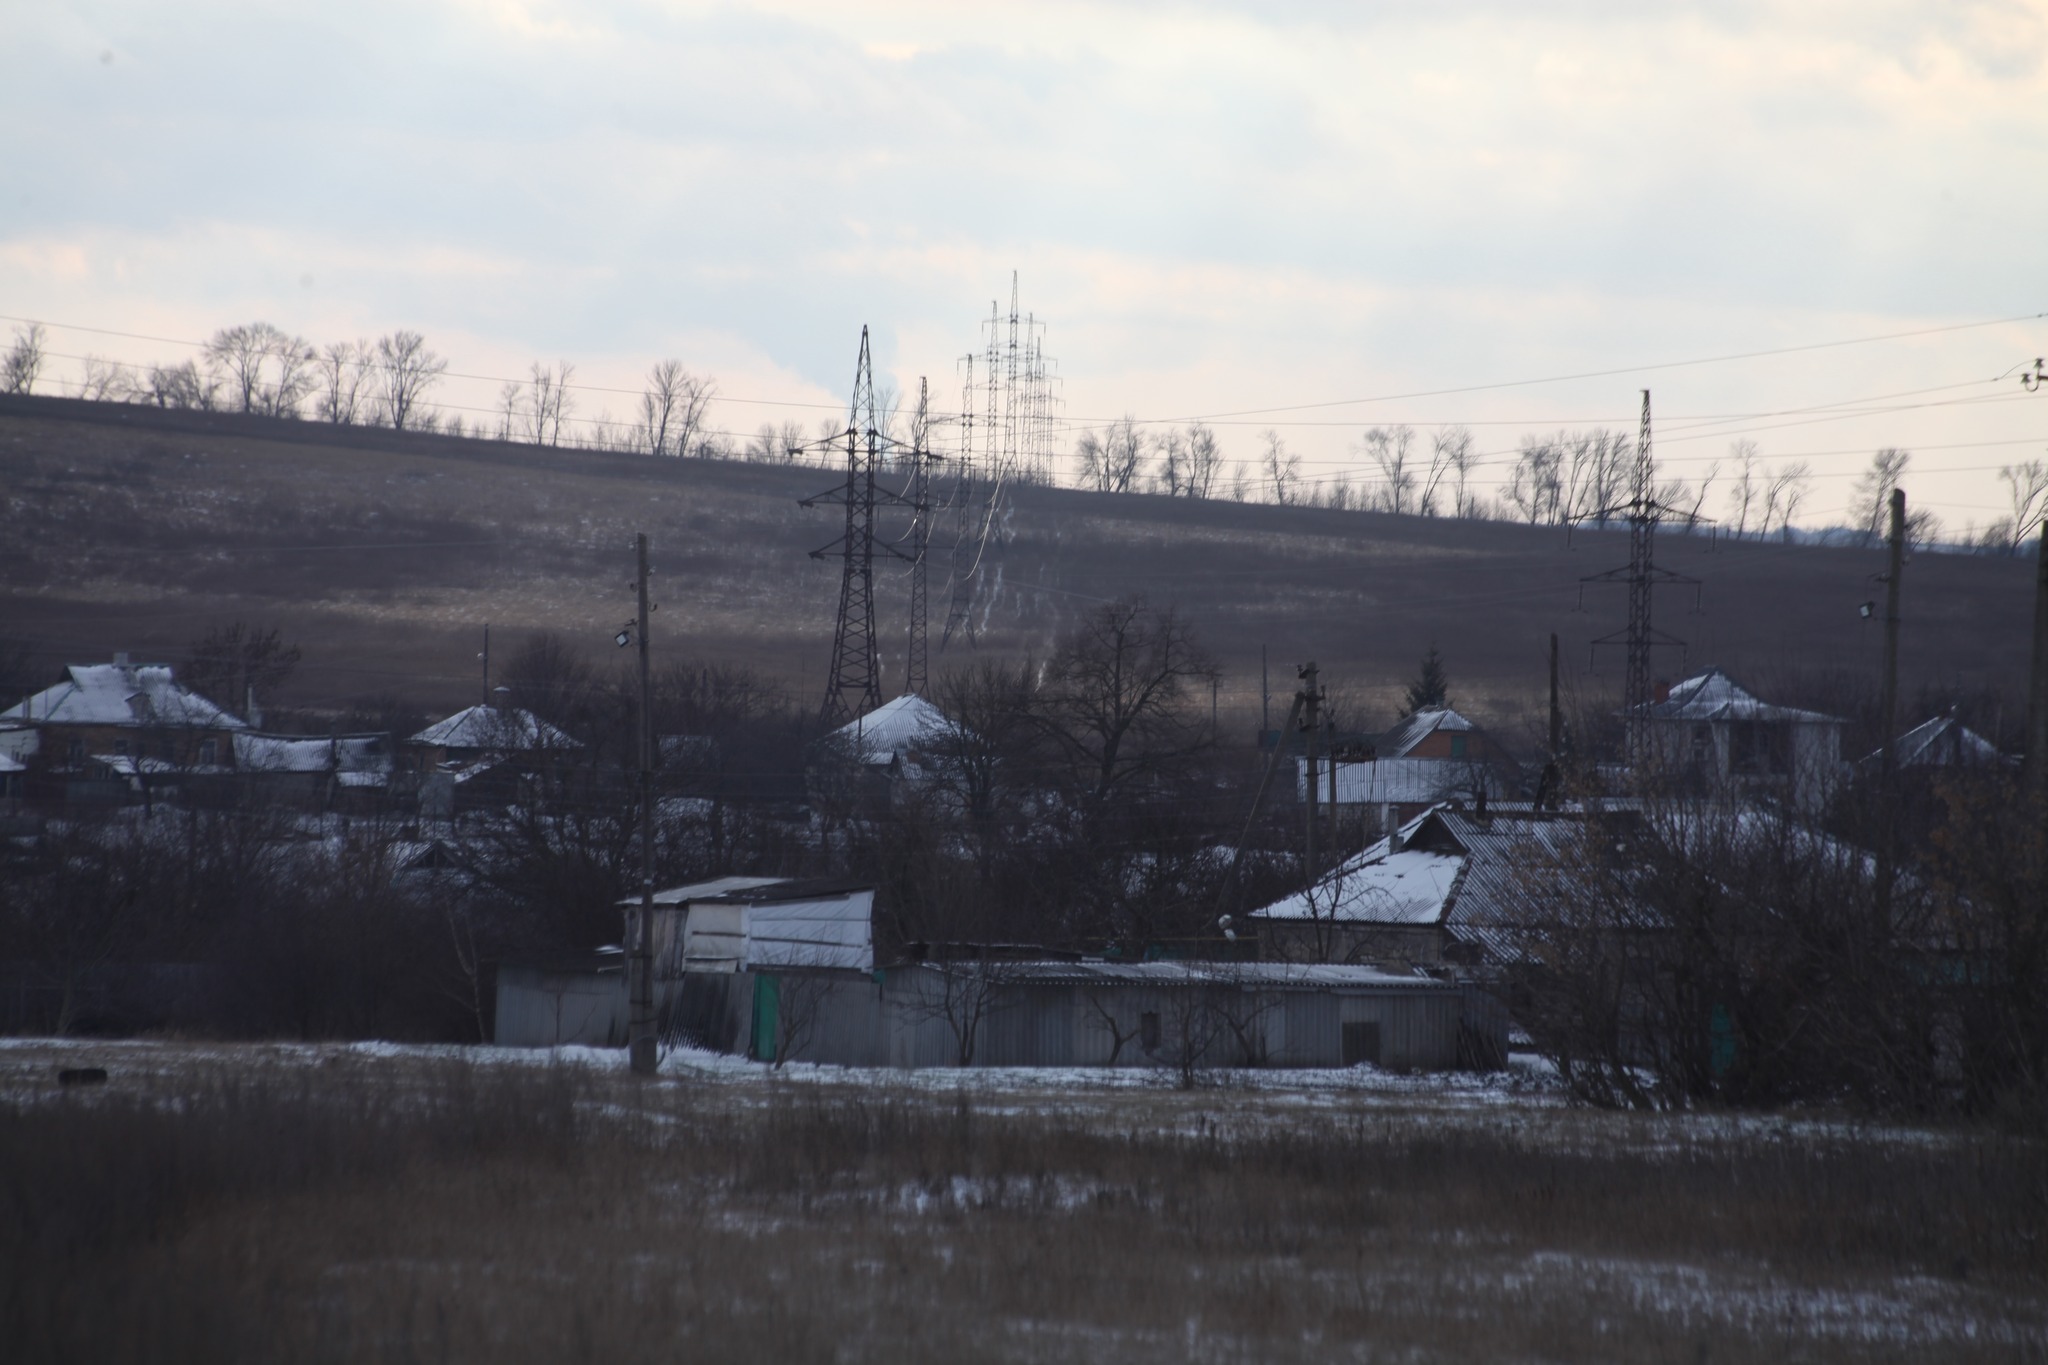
[
  {"x": 501, "y": 697},
  {"x": 120, "y": 658},
  {"x": 1662, "y": 692}
]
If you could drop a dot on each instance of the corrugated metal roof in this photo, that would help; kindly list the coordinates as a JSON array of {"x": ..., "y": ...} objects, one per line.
[
  {"x": 1713, "y": 695},
  {"x": 1943, "y": 742},
  {"x": 121, "y": 694},
  {"x": 1418, "y": 727},
  {"x": 1403, "y": 781},
  {"x": 1408, "y": 887},
  {"x": 1260, "y": 975},
  {"x": 895, "y": 727}
]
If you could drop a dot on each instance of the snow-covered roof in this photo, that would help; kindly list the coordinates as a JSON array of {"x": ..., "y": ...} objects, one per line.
[
  {"x": 895, "y": 727},
  {"x": 494, "y": 727},
  {"x": 1409, "y": 887},
  {"x": 1402, "y": 781},
  {"x": 697, "y": 891},
  {"x": 1420, "y": 726},
  {"x": 304, "y": 754},
  {"x": 1943, "y": 742},
  {"x": 121, "y": 694},
  {"x": 1254, "y": 975},
  {"x": 1713, "y": 695}
]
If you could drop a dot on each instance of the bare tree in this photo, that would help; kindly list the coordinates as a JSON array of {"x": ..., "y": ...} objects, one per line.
[
  {"x": 1281, "y": 469},
  {"x": 2027, "y": 486},
  {"x": 266, "y": 370},
  {"x": 182, "y": 386},
  {"x": 1111, "y": 462},
  {"x": 1535, "y": 488},
  {"x": 550, "y": 401},
  {"x": 24, "y": 360},
  {"x": 105, "y": 381},
  {"x": 1455, "y": 446},
  {"x": 1870, "y": 502},
  {"x": 344, "y": 377},
  {"x": 1390, "y": 449},
  {"x": 1784, "y": 491},
  {"x": 1172, "y": 476},
  {"x": 672, "y": 409},
  {"x": 1117, "y": 694},
  {"x": 1744, "y": 493},
  {"x": 1205, "y": 461},
  {"x": 511, "y": 403},
  {"x": 406, "y": 370}
]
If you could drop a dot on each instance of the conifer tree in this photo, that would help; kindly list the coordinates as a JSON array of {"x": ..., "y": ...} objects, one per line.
[{"x": 1431, "y": 688}]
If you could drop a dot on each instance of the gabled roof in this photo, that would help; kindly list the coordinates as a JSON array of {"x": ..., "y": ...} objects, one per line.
[
  {"x": 502, "y": 728},
  {"x": 1714, "y": 696},
  {"x": 1418, "y": 727},
  {"x": 894, "y": 727},
  {"x": 1409, "y": 887},
  {"x": 122, "y": 694},
  {"x": 756, "y": 890},
  {"x": 1943, "y": 742}
]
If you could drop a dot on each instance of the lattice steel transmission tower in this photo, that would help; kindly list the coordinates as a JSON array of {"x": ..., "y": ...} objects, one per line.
[
  {"x": 854, "y": 687},
  {"x": 919, "y": 496},
  {"x": 1643, "y": 577},
  {"x": 1009, "y": 433}
]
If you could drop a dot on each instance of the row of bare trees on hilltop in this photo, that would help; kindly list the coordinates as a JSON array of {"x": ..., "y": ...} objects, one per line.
[{"x": 1556, "y": 478}]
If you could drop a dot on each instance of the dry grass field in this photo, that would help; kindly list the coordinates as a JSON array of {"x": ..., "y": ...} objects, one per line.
[
  {"x": 385, "y": 555},
  {"x": 375, "y": 1204}
]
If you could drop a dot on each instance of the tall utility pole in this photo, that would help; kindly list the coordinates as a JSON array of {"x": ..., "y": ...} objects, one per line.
[
  {"x": 1643, "y": 578},
  {"x": 640, "y": 960},
  {"x": 1888, "y": 707},
  {"x": 1311, "y": 719},
  {"x": 486, "y": 657},
  {"x": 854, "y": 686},
  {"x": 2036, "y": 771}
]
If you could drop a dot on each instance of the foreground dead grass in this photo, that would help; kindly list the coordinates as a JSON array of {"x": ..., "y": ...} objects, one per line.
[{"x": 231, "y": 1204}]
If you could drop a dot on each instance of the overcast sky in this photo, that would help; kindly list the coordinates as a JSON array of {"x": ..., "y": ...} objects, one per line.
[{"x": 1214, "y": 208}]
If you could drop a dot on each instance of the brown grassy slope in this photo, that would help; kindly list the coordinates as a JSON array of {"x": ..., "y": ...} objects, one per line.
[
  {"x": 253, "y": 1203},
  {"x": 384, "y": 555}
]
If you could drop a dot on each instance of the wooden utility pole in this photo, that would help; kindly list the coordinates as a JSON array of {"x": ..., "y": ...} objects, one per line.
[
  {"x": 1311, "y": 720},
  {"x": 1888, "y": 796},
  {"x": 2036, "y": 770},
  {"x": 640, "y": 956}
]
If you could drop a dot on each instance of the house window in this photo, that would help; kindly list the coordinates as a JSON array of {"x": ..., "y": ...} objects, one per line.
[
  {"x": 121, "y": 746},
  {"x": 207, "y": 750},
  {"x": 1761, "y": 747},
  {"x": 1148, "y": 1031},
  {"x": 1457, "y": 746},
  {"x": 1703, "y": 746},
  {"x": 77, "y": 752}
]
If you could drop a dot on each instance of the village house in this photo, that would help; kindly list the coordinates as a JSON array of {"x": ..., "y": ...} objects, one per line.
[
  {"x": 1432, "y": 756},
  {"x": 482, "y": 756},
  {"x": 1711, "y": 735},
  {"x": 110, "y": 730}
]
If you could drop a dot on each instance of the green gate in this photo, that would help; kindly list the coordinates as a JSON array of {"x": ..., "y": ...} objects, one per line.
[{"x": 767, "y": 1008}]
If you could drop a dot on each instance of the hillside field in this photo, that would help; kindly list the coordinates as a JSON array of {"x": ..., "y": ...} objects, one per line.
[{"x": 384, "y": 555}]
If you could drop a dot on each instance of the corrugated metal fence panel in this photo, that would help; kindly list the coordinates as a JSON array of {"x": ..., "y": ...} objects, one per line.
[
  {"x": 1308, "y": 1033},
  {"x": 1028, "y": 1026},
  {"x": 545, "y": 1009}
]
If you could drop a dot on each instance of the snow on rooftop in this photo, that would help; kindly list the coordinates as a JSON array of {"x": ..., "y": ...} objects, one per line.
[
  {"x": 1377, "y": 887},
  {"x": 895, "y": 727},
  {"x": 311, "y": 754},
  {"x": 1420, "y": 726},
  {"x": 1713, "y": 695},
  {"x": 121, "y": 694},
  {"x": 494, "y": 727},
  {"x": 1943, "y": 742}
]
